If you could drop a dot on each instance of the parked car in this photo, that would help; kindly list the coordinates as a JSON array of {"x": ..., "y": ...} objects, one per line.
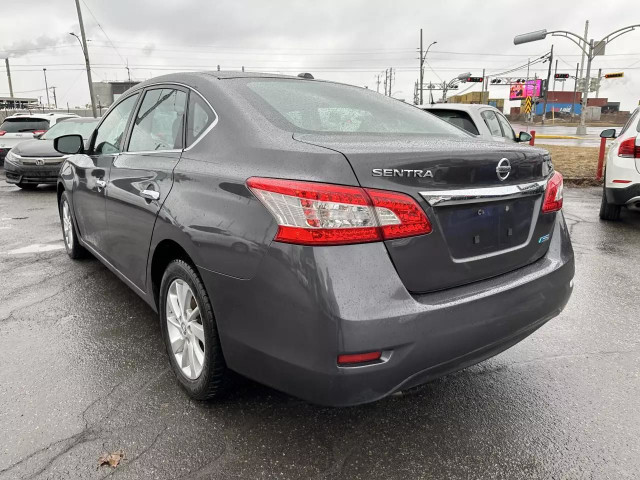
[
  {"x": 483, "y": 121},
  {"x": 385, "y": 247},
  {"x": 24, "y": 126},
  {"x": 622, "y": 169},
  {"x": 35, "y": 161}
]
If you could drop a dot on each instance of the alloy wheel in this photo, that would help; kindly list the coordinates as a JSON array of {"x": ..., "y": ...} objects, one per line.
[
  {"x": 67, "y": 225},
  {"x": 185, "y": 329}
]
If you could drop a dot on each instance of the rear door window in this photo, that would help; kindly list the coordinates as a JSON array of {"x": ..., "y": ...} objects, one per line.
[
  {"x": 18, "y": 125},
  {"x": 507, "y": 130},
  {"x": 458, "y": 118},
  {"x": 160, "y": 121},
  {"x": 634, "y": 116},
  {"x": 492, "y": 123}
]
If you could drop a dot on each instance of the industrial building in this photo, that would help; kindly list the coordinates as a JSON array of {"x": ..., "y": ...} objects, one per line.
[{"x": 108, "y": 92}]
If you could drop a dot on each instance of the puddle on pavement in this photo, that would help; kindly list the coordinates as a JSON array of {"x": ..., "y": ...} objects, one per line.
[{"x": 35, "y": 248}]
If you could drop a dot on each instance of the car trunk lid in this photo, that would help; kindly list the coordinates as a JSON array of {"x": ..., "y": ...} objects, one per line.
[{"x": 483, "y": 199}]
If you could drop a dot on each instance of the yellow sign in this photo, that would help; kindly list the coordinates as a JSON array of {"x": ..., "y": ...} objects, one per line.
[{"x": 527, "y": 105}]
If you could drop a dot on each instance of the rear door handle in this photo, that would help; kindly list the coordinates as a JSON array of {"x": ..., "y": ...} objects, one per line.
[{"x": 150, "y": 194}]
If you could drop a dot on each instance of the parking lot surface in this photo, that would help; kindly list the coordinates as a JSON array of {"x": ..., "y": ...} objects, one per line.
[{"x": 83, "y": 373}]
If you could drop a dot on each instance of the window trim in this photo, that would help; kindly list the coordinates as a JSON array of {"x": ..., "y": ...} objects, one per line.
[{"x": 146, "y": 89}]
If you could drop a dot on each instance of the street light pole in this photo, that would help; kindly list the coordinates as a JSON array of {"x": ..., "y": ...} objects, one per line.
[
  {"x": 423, "y": 59},
  {"x": 46, "y": 87},
  {"x": 590, "y": 53},
  {"x": 85, "y": 51}
]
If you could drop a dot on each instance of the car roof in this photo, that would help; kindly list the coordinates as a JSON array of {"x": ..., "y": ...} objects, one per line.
[
  {"x": 41, "y": 116},
  {"x": 81, "y": 119},
  {"x": 464, "y": 107},
  {"x": 213, "y": 75}
]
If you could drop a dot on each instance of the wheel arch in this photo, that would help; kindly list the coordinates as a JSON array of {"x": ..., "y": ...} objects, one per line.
[{"x": 164, "y": 253}]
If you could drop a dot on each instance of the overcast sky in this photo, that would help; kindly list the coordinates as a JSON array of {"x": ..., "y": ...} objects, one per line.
[{"x": 350, "y": 41}]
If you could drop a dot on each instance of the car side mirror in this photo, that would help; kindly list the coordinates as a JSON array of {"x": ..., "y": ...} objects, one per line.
[
  {"x": 524, "y": 137},
  {"x": 69, "y": 144},
  {"x": 608, "y": 133}
]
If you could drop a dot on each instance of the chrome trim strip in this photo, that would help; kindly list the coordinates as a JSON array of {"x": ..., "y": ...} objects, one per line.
[{"x": 485, "y": 194}]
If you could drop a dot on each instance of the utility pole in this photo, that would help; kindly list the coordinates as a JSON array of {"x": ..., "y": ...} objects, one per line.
[
  {"x": 378, "y": 84},
  {"x": 6, "y": 62},
  {"x": 575, "y": 88},
  {"x": 583, "y": 46},
  {"x": 85, "y": 50},
  {"x": 421, "y": 67},
  {"x": 546, "y": 88},
  {"x": 598, "y": 84},
  {"x": 46, "y": 87},
  {"x": 386, "y": 80},
  {"x": 390, "y": 79},
  {"x": 128, "y": 71},
  {"x": 482, "y": 91},
  {"x": 55, "y": 99}
]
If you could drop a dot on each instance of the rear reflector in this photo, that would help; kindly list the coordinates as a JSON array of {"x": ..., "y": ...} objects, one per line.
[
  {"x": 553, "y": 194},
  {"x": 310, "y": 213},
  {"x": 629, "y": 149},
  {"x": 621, "y": 181},
  {"x": 358, "y": 358}
]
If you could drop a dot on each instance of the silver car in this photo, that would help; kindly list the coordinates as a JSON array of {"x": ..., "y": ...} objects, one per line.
[{"x": 484, "y": 121}]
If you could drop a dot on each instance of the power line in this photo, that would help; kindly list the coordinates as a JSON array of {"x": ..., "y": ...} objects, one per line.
[{"x": 105, "y": 33}]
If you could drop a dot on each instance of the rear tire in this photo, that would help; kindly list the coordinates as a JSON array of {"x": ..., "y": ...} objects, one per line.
[
  {"x": 210, "y": 377},
  {"x": 27, "y": 186},
  {"x": 69, "y": 229},
  {"x": 608, "y": 211}
]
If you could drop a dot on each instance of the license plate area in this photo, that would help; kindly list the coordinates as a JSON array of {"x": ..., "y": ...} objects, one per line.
[{"x": 482, "y": 228}]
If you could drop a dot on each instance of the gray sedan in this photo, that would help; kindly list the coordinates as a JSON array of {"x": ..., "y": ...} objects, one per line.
[{"x": 320, "y": 238}]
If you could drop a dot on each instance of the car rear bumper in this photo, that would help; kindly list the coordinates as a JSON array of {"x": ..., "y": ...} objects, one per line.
[
  {"x": 623, "y": 195},
  {"x": 31, "y": 173},
  {"x": 287, "y": 325}
]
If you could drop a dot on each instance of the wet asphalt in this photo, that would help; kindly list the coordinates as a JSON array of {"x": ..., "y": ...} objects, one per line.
[{"x": 83, "y": 372}]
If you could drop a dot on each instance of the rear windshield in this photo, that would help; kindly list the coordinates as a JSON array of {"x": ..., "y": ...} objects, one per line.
[
  {"x": 456, "y": 117},
  {"x": 16, "y": 125},
  {"x": 319, "y": 107},
  {"x": 70, "y": 127}
]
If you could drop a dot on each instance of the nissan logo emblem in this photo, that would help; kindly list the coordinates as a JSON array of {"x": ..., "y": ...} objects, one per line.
[{"x": 503, "y": 169}]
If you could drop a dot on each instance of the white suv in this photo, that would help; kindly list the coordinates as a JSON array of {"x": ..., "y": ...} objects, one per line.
[
  {"x": 25, "y": 126},
  {"x": 622, "y": 169}
]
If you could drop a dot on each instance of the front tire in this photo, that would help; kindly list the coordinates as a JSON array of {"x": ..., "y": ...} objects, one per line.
[
  {"x": 190, "y": 333},
  {"x": 608, "y": 211},
  {"x": 69, "y": 229}
]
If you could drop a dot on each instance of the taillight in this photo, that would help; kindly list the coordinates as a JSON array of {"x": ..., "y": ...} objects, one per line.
[
  {"x": 553, "y": 194},
  {"x": 2, "y": 132},
  {"x": 629, "y": 149},
  {"x": 310, "y": 213},
  {"x": 39, "y": 132}
]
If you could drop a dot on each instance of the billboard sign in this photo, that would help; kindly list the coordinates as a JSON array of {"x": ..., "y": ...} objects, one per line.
[{"x": 530, "y": 88}]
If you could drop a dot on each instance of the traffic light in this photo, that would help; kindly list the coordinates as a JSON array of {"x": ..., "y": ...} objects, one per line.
[
  {"x": 496, "y": 80},
  {"x": 475, "y": 79},
  {"x": 614, "y": 75},
  {"x": 561, "y": 76}
]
